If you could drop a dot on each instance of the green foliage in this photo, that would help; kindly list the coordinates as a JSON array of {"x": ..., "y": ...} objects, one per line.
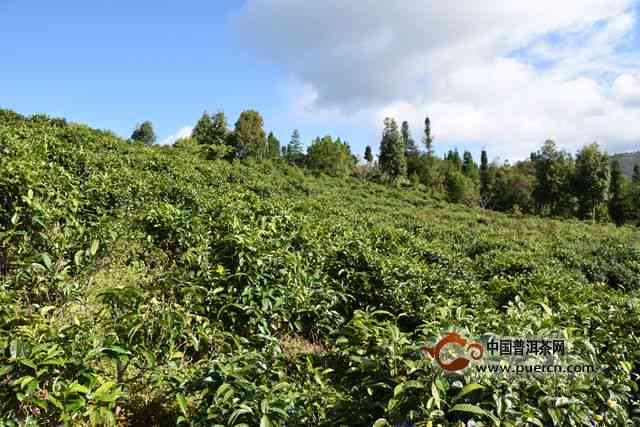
[
  {"x": 368, "y": 154},
  {"x": 427, "y": 138},
  {"x": 213, "y": 134},
  {"x": 469, "y": 167},
  {"x": 273, "y": 146},
  {"x": 459, "y": 188},
  {"x": 249, "y": 138},
  {"x": 618, "y": 202},
  {"x": 147, "y": 285},
  {"x": 512, "y": 190},
  {"x": 485, "y": 185},
  {"x": 295, "y": 153},
  {"x": 392, "y": 158},
  {"x": 591, "y": 179},
  {"x": 453, "y": 157},
  {"x": 410, "y": 147},
  {"x": 144, "y": 133},
  {"x": 187, "y": 144},
  {"x": 553, "y": 172},
  {"x": 10, "y": 118},
  {"x": 333, "y": 157}
]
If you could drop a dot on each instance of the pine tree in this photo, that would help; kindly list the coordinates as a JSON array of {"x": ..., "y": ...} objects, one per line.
[
  {"x": 368, "y": 154},
  {"x": 427, "y": 139},
  {"x": 392, "y": 158},
  {"x": 144, "y": 133},
  {"x": 484, "y": 178},
  {"x": 469, "y": 167},
  {"x": 411, "y": 149},
  {"x": 295, "y": 153}
]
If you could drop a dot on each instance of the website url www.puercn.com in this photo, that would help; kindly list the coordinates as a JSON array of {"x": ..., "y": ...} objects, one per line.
[{"x": 535, "y": 369}]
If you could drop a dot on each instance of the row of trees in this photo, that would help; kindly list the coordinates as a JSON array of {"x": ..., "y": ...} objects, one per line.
[
  {"x": 551, "y": 182},
  {"x": 248, "y": 139}
]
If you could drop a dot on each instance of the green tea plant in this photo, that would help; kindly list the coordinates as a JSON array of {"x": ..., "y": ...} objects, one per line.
[{"x": 146, "y": 285}]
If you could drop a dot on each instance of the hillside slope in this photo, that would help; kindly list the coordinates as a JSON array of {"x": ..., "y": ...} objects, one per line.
[
  {"x": 627, "y": 162},
  {"x": 144, "y": 285}
]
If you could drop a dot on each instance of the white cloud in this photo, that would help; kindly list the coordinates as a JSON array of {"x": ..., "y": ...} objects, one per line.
[
  {"x": 505, "y": 74},
  {"x": 626, "y": 88},
  {"x": 184, "y": 132}
]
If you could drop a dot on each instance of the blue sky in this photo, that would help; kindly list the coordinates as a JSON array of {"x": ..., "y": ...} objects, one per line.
[
  {"x": 111, "y": 64},
  {"x": 324, "y": 68}
]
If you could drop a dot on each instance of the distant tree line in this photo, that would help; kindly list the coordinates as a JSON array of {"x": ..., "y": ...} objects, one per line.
[
  {"x": 551, "y": 182},
  {"x": 248, "y": 140}
]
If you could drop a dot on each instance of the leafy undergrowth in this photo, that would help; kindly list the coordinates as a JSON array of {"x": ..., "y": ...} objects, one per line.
[{"x": 147, "y": 286}]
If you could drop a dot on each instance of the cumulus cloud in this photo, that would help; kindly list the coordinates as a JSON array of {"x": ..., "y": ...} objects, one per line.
[
  {"x": 626, "y": 88},
  {"x": 184, "y": 132},
  {"x": 504, "y": 74}
]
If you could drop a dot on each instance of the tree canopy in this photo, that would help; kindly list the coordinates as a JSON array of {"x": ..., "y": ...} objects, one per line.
[{"x": 144, "y": 133}]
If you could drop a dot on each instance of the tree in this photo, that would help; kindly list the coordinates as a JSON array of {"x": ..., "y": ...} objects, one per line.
[
  {"x": 459, "y": 188},
  {"x": 484, "y": 179},
  {"x": 368, "y": 154},
  {"x": 273, "y": 146},
  {"x": 591, "y": 178},
  {"x": 469, "y": 167},
  {"x": 332, "y": 157},
  {"x": 453, "y": 157},
  {"x": 410, "y": 147},
  {"x": 411, "y": 152},
  {"x": 211, "y": 130},
  {"x": 249, "y": 138},
  {"x": 392, "y": 158},
  {"x": 553, "y": 169},
  {"x": 294, "y": 153},
  {"x": 617, "y": 201},
  {"x": 427, "y": 139},
  {"x": 202, "y": 131},
  {"x": 144, "y": 133},
  {"x": 511, "y": 189}
]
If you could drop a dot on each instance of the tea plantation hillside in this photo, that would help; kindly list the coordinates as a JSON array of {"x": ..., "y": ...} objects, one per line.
[{"x": 146, "y": 285}]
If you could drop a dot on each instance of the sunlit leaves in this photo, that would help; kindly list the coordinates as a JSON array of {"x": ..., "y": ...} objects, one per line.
[{"x": 150, "y": 282}]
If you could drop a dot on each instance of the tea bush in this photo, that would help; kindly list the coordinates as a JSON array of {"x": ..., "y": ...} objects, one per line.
[{"x": 146, "y": 285}]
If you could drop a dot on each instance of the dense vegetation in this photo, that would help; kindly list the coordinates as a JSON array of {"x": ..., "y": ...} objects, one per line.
[
  {"x": 551, "y": 183},
  {"x": 148, "y": 285}
]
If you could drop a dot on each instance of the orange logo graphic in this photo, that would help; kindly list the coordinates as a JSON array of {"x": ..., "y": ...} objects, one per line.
[{"x": 474, "y": 349}]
